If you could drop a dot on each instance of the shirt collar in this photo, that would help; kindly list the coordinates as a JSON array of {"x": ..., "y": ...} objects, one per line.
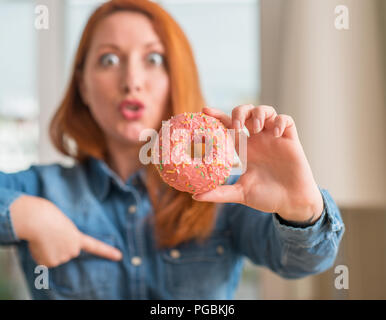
[{"x": 102, "y": 177}]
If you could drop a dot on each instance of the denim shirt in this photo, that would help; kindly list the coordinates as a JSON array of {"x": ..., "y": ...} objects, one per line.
[{"x": 103, "y": 206}]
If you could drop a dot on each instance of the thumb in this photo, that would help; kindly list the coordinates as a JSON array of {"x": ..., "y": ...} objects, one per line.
[
  {"x": 99, "y": 248},
  {"x": 228, "y": 193}
]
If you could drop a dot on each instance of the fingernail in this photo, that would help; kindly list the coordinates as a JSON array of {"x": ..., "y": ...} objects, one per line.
[
  {"x": 237, "y": 124},
  {"x": 277, "y": 132},
  {"x": 118, "y": 255},
  {"x": 196, "y": 199},
  {"x": 256, "y": 125}
]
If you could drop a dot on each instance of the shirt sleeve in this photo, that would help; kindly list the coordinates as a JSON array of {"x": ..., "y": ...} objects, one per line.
[
  {"x": 12, "y": 186},
  {"x": 292, "y": 252}
]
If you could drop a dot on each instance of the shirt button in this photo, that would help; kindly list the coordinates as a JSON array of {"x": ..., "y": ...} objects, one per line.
[
  {"x": 175, "y": 254},
  {"x": 136, "y": 261},
  {"x": 132, "y": 209},
  {"x": 220, "y": 249}
]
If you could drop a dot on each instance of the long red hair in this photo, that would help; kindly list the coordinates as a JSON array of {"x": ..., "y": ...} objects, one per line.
[{"x": 74, "y": 132}]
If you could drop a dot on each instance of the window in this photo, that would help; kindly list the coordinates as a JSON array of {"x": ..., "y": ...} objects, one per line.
[{"x": 18, "y": 97}]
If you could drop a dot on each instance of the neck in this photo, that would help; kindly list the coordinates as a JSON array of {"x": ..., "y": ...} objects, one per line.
[{"x": 123, "y": 160}]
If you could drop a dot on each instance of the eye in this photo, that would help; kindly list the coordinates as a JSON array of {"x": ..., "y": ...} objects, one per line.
[
  {"x": 155, "y": 58},
  {"x": 109, "y": 59}
]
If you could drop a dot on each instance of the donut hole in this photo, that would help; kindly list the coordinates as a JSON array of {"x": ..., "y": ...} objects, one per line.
[
  {"x": 197, "y": 150},
  {"x": 201, "y": 149}
]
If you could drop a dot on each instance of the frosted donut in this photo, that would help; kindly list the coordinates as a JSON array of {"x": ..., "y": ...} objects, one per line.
[{"x": 195, "y": 152}]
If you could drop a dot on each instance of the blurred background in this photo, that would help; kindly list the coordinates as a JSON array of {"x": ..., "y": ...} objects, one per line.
[{"x": 290, "y": 54}]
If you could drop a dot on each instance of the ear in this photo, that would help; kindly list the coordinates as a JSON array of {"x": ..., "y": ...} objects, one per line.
[{"x": 81, "y": 86}]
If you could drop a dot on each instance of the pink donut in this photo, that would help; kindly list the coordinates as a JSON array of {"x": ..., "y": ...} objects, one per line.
[{"x": 195, "y": 152}]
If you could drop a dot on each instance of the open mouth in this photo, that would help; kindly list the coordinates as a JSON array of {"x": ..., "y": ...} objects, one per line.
[
  {"x": 132, "y": 107},
  {"x": 131, "y": 110}
]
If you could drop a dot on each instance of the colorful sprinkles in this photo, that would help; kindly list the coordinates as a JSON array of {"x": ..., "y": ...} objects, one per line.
[{"x": 190, "y": 173}]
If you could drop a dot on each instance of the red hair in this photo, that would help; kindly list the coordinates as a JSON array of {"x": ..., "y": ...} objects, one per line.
[{"x": 178, "y": 217}]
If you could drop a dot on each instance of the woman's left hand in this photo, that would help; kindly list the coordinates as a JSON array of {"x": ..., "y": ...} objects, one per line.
[{"x": 278, "y": 178}]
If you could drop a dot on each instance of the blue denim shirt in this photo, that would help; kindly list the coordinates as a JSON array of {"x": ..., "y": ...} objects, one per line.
[{"x": 102, "y": 206}]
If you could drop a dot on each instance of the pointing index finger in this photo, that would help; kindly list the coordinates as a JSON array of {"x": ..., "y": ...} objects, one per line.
[{"x": 99, "y": 248}]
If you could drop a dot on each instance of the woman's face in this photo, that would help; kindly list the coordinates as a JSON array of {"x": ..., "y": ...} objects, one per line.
[{"x": 125, "y": 83}]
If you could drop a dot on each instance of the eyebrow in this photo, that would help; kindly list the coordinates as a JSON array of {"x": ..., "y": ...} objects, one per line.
[
  {"x": 147, "y": 45},
  {"x": 108, "y": 45}
]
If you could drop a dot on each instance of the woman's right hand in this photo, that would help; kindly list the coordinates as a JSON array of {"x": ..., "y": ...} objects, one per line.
[{"x": 52, "y": 237}]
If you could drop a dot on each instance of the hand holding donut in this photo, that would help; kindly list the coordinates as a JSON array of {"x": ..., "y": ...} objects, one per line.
[{"x": 278, "y": 177}]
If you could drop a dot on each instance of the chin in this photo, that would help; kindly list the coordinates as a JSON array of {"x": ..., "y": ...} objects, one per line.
[{"x": 130, "y": 134}]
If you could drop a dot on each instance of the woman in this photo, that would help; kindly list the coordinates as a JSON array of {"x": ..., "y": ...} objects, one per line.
[{"x": 109, "y": 228}]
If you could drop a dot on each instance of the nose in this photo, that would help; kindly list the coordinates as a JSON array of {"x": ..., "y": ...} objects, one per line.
[
  {"x": 130, "y": 86},
  {"x": 132, "y": 79}
]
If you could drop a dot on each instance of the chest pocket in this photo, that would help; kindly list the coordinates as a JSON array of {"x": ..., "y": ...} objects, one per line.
[
  {"x": 198, "y": 271},
  {"x": 85, "y": 277}
]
